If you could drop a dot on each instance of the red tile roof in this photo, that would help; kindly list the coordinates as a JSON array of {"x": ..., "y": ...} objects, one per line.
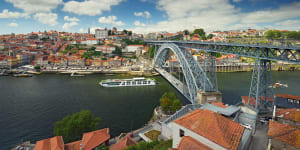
[
  {"x": 214, "y": 127},
  {"x": 73, "y": 146},
  {"x": 252, "y": 100},
  {"x": 124, "y": 143},
  {"x": 54, "y": 143},
  {"x": 93, "y": 139},
  {"x": 288, "y": 96},
  {"x": 188, "y": 143},
  {"x": 289, "y": 114},
  {"x": 285, "y": 133}
]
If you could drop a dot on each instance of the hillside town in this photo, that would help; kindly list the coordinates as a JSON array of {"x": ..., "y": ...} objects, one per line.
[{"x": 107, "y": 48}]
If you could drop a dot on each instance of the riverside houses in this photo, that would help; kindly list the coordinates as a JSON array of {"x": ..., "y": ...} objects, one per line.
[
  {"x": 210, "y": 126},
  {"x": 90, "y": 141}
]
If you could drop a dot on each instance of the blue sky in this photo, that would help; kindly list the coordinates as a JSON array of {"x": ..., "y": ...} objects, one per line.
[{"x": 142, "y": 16}]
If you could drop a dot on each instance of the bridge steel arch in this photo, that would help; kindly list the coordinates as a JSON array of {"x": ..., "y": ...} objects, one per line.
[{"x": 194, "y": 74}]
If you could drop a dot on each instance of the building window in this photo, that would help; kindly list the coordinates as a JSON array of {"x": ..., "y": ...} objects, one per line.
[{"x": 181, "y": 133}]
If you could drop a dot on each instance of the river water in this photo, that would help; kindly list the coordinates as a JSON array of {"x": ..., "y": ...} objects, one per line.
[{"x": 30, "y": 106}]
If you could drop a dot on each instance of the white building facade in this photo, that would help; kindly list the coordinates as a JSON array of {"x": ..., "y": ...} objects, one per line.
[{"x": 101, "y": 34}]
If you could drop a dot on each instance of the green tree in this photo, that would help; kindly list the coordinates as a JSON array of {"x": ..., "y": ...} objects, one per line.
[
  {"x": 269, "y": 34},
  {"x": 169, "y": 102},
  {"x": 92, "y": 48},
  {"x": 73, "y": 126},
  {"x": 118, "y": 51},
  {"x": 200, "y": 32},
  {"x": 203, "y": 37},
  {"x": 129, "y": 33},
  {"x": 176, "y": 105},
  {"x": 165, "y": 103},
  {"x": 293, "y": 35},
  {"x": 125, "y": 31},
  {"x": 151, "y": 51},
  {"x": 273, "y": 34},
  {"x": 186, "y": 32},
  {"x": 277, "y": 34},
  {"x": 210, "y": 36}
]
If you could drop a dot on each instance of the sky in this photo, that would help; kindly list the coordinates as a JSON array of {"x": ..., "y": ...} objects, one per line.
[{"x": 144, "y": 16}]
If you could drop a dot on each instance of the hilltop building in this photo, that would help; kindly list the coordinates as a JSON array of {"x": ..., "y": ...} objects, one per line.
[{"x": 101, "y": 34}]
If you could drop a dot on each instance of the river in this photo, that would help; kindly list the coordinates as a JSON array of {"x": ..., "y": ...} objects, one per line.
[{"x": 30, "y": 106}]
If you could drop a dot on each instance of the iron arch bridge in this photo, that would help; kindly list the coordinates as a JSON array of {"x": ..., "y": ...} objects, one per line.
[
  {"x": 198, "y": 77},
  {"x": 194, "y": 75}
]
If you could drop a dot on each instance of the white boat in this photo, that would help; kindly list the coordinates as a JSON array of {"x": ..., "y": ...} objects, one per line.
[
  {"x": 278, "y": 85},
  {"x": 74, "y": 74},
  {"x": 127, "y": 82}
]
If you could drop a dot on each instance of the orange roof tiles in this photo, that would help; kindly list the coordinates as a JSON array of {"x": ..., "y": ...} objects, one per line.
[
  {"x": 73, "y": 146},
  {"x": 285, "y": 133},
  {"x": 289, "y": 114},
  {"x": 188, "y": 143},
  {"x": 54, "y": 143},
  {"x": 288, "y": 96},
  {"x": 93, "y": 139},
  {"x": 124, "y": 143},
  {"x": 252, "y": 100},
  {"x": 214, "y": 127}
]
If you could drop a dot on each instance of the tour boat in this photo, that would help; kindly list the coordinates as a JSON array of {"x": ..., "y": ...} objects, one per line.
[
  {"x": 22, "y": 75},
  {"x": 127, "y": 82}
]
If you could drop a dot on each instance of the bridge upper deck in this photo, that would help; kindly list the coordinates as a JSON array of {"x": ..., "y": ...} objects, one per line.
[{"x": 267, "y": 52}]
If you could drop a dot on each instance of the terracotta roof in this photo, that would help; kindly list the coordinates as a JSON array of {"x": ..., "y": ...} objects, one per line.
[
  {"x": 188, "y": 143},
  {"x": 219, "y": 104},
  {"x": 124, "y": 143},
  {"x": 288, "y": 96},
  {"x": 252, "y": 100},
  {"x": 214, "y": 127},
  {"x": 73, "y": 146},
  {"x": 285, "y": 133},
  {"x": 93, "y": 139},
  {"x": 289, "y": 114},
  {"x": 54, "y": 143}
]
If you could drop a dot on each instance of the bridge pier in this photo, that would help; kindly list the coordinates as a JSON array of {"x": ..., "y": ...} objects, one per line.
[{"x": 207, "y": 97}]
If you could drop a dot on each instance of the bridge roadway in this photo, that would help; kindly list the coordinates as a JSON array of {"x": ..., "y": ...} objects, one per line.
[
  {"x": 266, "y": 52},
  {"x": 174, "y": 81}
]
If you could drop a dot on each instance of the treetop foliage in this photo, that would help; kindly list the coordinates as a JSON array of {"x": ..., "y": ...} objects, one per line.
[{"x": 73, "y": 126}]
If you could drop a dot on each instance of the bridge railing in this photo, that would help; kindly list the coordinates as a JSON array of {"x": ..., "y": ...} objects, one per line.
[{"x": 292, "y": 47}]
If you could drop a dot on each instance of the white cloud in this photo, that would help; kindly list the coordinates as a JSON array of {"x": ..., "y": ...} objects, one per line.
[
  {"x": 287, "y": 11},
  {"x": 74, "y": 19},
  {"x": 46, "y": 18},
  {"x": 13, "y": 24},
  {"x": 236, "y": 1},
  {"x": 288, "y": 24},
  {"x": 68, "y": 25},
  {"x": 190, "y": 14},
  {"x": 217, "y": 15},
  {"x": 89, "y": 7},
  {"x": 138, "y": 23},
  {"x": 33, "y": 6},
  {"x": 145, "y": 14},
  {"x": 15, "y": 15},
  {"x": 110, "y": 20}
]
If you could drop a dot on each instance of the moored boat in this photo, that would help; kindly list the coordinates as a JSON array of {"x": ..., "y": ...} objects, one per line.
[
  {"x": 75, "y": 74},
  {"x": 23, "y": 75},
  {"x": 127, "y": 82}
]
